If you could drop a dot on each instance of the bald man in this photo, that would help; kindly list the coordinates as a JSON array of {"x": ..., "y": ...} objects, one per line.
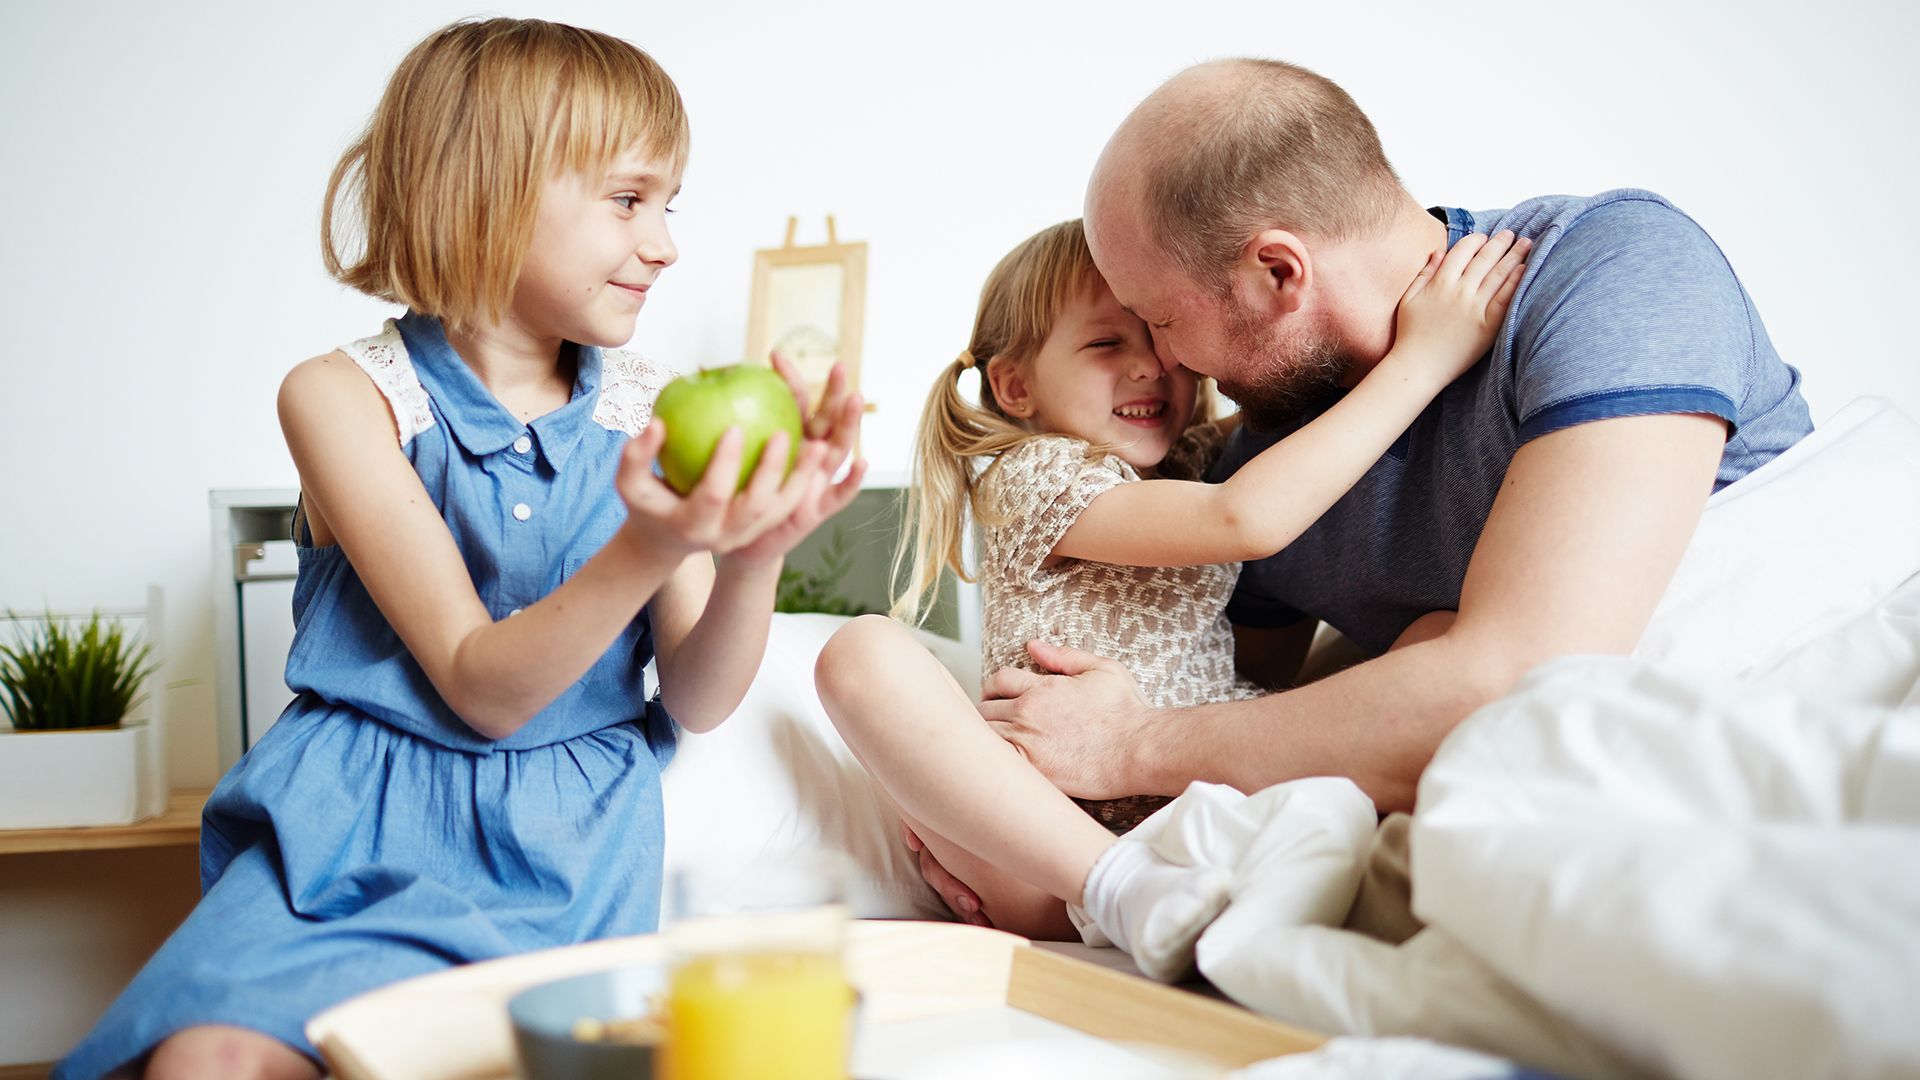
[{"x": 1247, "y": 213}]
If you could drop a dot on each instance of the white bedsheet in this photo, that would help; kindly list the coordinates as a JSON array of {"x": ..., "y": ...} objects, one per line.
[
  {"x": 777, "y": 777},
  {"x": 1794, "y": 552}
]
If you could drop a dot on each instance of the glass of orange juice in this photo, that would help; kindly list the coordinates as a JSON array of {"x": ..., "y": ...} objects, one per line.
[{"x": 757, "y": 988}]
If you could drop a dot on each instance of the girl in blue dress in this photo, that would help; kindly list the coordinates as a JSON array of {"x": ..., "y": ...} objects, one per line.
[{"x": 471, "y": 767}]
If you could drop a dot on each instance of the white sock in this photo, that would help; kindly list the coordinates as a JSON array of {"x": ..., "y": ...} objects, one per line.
[{"x": 1150, "y": 908}]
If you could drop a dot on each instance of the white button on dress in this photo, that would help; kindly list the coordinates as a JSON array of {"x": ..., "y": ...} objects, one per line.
[
  {"x": 521, "y": 511},
  {"x": 522, "y": 444}
]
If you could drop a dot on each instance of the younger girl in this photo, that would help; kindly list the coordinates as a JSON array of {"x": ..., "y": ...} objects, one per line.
[
  {"x": 472, "y": 764},
  {"x": 1080, "y": 466}
]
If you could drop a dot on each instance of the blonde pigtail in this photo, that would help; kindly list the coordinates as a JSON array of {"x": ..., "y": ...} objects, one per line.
[
  {"x": 959, "y": 440},
  {"x": 954, "y": 432}
]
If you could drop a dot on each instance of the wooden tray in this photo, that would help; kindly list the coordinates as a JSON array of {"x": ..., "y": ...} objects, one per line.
[{"x": 453, "y": 1025}]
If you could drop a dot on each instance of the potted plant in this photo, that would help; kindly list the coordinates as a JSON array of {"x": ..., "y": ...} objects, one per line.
[
  {"x": 819, "y": 589},
  {"x": 76, "y": 749}
]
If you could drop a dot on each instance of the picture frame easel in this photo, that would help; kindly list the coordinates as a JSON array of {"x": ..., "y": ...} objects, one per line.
[{"x": 809, "y": 303}]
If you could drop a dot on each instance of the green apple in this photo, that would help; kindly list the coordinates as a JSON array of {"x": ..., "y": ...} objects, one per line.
[{"x": 699, "y": 408}]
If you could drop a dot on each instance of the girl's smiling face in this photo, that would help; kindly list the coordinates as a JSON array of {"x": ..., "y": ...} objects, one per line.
[
  {"x": 1096, "y": 378},
  {"x": 598, "y": 245}
]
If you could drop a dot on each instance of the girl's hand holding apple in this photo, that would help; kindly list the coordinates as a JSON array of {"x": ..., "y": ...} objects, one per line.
[
  {"x": 836, "y": 426},
  {"x": 715, "y": 515},
  {"x": 698, "y": 408},
  {"x": 723, "y": 489}
]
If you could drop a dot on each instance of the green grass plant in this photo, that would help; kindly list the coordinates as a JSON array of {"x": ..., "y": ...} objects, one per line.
[
  {"x": 57, "y": 677},
  {"x": 819, "y": 590}
]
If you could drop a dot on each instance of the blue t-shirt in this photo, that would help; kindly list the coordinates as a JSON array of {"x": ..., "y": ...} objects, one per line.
[{"x": 1627, "y": 308}]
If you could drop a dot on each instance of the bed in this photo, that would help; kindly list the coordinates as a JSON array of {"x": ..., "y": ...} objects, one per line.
[{"x": 1702, "y": 860}]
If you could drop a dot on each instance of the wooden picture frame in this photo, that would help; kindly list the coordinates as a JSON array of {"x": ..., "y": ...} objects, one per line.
[{"x": 809, "y": 303}]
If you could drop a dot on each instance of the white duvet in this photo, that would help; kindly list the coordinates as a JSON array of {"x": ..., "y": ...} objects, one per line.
[
  {"x": 1702, "y": 861},
  {"x": 1628, "y": 872}
]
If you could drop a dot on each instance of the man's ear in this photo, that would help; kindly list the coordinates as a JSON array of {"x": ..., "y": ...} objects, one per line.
[
  {"x": 1010, "y": 387},
  {"x": 1277, "y": 269}
]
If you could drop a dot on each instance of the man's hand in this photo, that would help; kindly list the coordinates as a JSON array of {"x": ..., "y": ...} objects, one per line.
[{"x": 1083, "y": 724}]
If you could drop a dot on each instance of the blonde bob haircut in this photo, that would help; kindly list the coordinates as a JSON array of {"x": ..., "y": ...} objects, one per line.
[
  {"x": 445, "y": 181},
  {"x": 959, "y": 441}
]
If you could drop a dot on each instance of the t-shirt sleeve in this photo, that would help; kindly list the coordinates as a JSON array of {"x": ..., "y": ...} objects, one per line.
[
  {"x": 1035, "y": 493},
  {"x": 1633, "y": 312}
]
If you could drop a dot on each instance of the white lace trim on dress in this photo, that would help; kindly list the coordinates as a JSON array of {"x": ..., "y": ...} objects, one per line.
[
  {"x": 629, "y": 383},
  {"x": 384, "y": 358}
]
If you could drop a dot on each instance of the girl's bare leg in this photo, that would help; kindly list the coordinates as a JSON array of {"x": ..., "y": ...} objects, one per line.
[
  {"x": 219, "y": 1050},
  {"x": 986, "y": 814},
  {"x": 1007, "y": 902}
]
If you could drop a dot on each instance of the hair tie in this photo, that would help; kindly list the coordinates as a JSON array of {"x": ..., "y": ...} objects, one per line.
[{"x": 965, "y": 359}]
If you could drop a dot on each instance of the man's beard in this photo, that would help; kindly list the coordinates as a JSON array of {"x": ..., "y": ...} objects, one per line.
[{"x": 1288, "y": 378}]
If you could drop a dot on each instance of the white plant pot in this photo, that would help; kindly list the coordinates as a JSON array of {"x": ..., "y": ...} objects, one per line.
[
  {"x": 59, "y": 779},
  {"x": 105, "y": 776}
]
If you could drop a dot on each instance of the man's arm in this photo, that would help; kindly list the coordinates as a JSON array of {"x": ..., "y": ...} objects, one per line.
[{"x": 1583, "y": 538}]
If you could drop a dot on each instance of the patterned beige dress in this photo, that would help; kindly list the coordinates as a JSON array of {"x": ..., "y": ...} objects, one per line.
[{"x": 1168, "y": 624}]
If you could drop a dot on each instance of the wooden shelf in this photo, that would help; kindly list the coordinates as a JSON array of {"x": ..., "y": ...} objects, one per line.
[{"x": 178, "y": 826}]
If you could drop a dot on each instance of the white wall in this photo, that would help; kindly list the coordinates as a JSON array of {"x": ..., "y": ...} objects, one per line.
[
  {"x": 161, "y": 167},
  {"x": 165, "y": 162}
]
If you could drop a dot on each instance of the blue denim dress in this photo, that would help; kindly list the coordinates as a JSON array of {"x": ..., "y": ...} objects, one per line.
[{"x": 371, "y": 835}]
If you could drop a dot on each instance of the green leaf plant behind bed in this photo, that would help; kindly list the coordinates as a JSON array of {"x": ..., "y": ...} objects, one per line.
[
  {"x": 60, "y": 678},
  {"x": 819, "y": 590}
]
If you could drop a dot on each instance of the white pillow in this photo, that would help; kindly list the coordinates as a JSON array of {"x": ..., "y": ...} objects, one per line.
[
  {"x": 777, "y": 778},
  {"x": 1798, "y": 548}
]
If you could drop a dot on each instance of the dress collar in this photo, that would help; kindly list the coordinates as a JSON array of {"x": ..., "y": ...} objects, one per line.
[{"x": 478, "y": 421}]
